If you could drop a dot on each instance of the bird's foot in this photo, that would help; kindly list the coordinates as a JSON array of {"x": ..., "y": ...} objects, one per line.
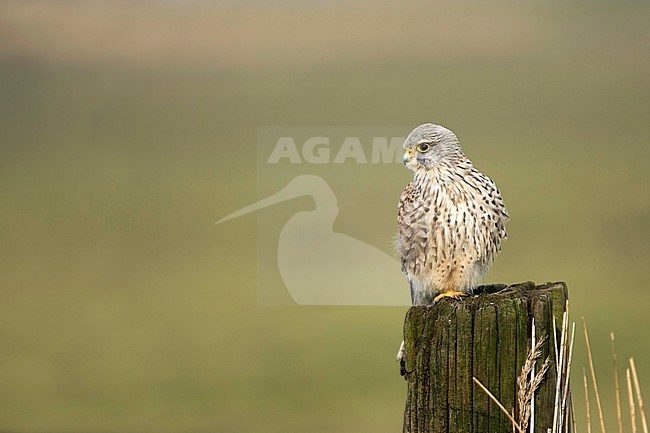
[{"x": 450, "y": 294}]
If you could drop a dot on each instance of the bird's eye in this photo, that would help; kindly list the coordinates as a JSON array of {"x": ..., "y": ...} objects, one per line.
[{"x": 423, "y": 147}]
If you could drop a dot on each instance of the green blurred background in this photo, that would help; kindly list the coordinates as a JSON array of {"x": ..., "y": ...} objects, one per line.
[{"x": 128, "y": 128}]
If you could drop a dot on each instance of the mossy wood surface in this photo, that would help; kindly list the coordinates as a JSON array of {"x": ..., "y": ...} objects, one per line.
[{"x": 486, "y": 336}]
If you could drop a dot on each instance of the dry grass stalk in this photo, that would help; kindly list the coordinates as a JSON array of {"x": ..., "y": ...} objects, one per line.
[
  {"x": 564, "y": 355},
  {"x": 533, "y": 343},
  {"x": 557, "y": 353},
  {"x": 498, "y": 403},
  {"x": 584, "y": 378},
  {"x": 639, "y": 398},
  {"x": 566, "y": 416},
  {"x": 567, "y": 375},
  {"x": 527, "y": 384},
  {"x": 619, "y": 413},
  {"x": 630, "y": 399},
  {"x": 559, "y": 364},
  {"x": 593, "y": 378}
]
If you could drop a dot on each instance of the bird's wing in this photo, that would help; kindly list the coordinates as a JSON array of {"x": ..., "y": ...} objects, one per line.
[
  {"x": 491, "y": 204},
  {"x": 412, "y": 234}
]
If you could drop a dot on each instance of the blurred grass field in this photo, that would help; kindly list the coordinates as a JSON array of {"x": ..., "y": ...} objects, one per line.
[{"x": 128, "y": 128}]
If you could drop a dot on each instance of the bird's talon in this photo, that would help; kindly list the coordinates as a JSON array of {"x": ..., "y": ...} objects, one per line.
[{"x": 451, "y": 294}]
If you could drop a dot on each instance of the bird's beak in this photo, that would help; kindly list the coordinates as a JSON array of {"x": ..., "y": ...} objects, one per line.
[{"x": 408, "y": 155}]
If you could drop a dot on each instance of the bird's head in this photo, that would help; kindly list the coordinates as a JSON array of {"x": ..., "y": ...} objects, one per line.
[{"x": 429, "y": 145}]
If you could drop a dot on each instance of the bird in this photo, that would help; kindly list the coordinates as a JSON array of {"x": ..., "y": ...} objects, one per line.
[{"x": 451, "y": 218}]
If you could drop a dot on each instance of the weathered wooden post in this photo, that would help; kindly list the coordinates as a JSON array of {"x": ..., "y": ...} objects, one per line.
[{"x": 488, "y": 337}]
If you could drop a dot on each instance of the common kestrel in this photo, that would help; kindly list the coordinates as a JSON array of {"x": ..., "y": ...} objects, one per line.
[{"x": 451, "y": 218}]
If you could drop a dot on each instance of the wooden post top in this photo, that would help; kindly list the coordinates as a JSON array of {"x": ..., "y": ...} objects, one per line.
[{"x": 487, "y": 336}]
